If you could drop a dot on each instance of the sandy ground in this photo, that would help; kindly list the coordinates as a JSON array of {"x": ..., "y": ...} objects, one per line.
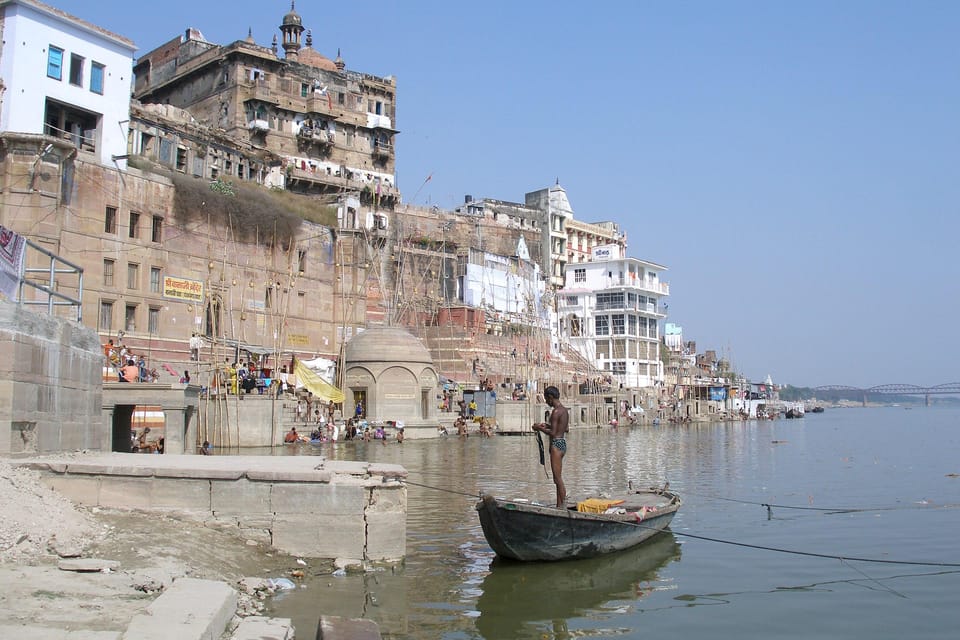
[{"x": 39, "y": 526}]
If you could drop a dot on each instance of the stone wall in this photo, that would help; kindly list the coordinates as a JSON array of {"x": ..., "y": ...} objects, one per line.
[
  {"x": 301, "y": 505},
  {"x": 50, "y": 384}
]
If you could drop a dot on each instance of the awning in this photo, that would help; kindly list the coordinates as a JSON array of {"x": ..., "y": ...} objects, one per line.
[
  {"x": 317, "y": 385},
  {"x": 255, "y": 349}
]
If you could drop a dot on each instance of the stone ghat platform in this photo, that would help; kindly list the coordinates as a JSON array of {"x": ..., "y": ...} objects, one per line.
[{"x": 302, "y": 505}]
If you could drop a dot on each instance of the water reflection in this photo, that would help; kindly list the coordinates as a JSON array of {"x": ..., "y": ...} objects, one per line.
[{"x": 525, "y": 600}]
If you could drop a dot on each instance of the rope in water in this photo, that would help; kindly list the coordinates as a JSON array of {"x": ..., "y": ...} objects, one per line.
[{"x": 747, "y": 545}]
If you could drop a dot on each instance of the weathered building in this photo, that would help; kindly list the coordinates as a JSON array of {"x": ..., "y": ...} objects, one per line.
[{"x": 302, "y": 121}]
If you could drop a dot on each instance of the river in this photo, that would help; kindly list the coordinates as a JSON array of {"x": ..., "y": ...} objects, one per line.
[{"x": 891, "y": 468}]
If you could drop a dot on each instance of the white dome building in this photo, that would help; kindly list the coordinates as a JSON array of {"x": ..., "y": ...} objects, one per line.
[{"x": 391, "y": 374}]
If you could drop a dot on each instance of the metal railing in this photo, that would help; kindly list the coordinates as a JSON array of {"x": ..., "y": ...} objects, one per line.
[{"x": 48, "y": 288}]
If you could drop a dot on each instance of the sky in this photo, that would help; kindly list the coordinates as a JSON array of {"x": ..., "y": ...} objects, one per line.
[{"x": 795, "y": 166}]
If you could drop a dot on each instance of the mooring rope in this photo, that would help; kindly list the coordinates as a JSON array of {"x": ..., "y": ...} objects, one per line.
[{"x": 810, "y": 554}]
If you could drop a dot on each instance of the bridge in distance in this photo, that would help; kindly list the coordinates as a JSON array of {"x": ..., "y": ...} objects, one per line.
[{"x": 950, "y": 388}]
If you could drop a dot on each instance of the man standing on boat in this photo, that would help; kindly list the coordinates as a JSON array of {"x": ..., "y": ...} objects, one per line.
[{"x": 557, "y": 430}]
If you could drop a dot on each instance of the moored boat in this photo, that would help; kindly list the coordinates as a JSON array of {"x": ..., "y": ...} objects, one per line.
[{"x": 522, "y": 530}]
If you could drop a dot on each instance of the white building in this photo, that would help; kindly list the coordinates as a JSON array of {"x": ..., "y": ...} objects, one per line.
[
  {"x": 64, "y": 77},
  {"x": 510, "y": 286},
  {"x": 610, "y": 310}
]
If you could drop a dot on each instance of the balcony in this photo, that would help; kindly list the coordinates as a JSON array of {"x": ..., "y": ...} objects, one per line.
[
  {"x": 257, "y": 90},
  {"x": 316, "y": 135},
  {"x": 258, "y": 126},
  {"x": 318, "y": 103},
  {"x": 382, "y": 150}
]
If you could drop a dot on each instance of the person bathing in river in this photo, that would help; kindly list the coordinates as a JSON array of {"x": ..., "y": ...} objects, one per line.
[{"x": 557, "y": 429}]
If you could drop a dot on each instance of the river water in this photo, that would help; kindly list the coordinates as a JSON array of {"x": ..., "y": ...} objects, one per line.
[{"x": 890, "y": 466}]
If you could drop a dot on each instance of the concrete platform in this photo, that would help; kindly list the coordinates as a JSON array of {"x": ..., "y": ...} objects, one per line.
[
  {"x": 261, "y": 628},
  {"x": 303, "y": 505}
]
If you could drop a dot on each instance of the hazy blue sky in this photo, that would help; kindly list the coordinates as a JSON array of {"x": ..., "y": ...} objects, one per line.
[{"x": 796, "y": 166}]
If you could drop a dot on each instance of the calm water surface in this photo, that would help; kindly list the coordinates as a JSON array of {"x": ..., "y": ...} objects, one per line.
[{"x": 894, "y": 463}]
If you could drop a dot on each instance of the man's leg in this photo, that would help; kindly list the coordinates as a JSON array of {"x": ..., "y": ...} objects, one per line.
[{"x": 556, "y": 465}]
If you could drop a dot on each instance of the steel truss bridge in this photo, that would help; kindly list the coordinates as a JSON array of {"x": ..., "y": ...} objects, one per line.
[{"x": 950, "y": 388}]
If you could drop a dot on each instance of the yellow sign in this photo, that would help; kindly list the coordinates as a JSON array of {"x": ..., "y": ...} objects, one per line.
[
  {"x": 298, "y": 340},
  {"x": 182, "y": 289}
]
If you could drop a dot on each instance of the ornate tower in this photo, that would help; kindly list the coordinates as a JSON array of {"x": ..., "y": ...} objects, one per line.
[{"x": 291, "y": 29}]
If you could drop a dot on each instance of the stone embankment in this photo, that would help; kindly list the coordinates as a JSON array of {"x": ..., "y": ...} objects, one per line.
[{"x": 93, "y": 573}]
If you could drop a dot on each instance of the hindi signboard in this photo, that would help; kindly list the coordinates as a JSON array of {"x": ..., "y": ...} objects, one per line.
[{"x": 182, "y": 289}]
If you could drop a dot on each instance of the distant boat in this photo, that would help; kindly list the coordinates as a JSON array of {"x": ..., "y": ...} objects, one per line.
[
  {"x": 522, "y": 530},
  {"x": 816, "y": 410}
]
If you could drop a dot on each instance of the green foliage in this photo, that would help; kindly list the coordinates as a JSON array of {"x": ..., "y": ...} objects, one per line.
[{"x": 223, "y": 187}]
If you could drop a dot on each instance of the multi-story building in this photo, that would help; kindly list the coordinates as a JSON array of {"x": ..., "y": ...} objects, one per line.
[
  {"x": 610, "y": 311},
  {"x": 299, "y": 121},
  {"x": 65, "y": 78},
  {"x": 162, "y": 255},
  {"x": 582, "y": 237}
]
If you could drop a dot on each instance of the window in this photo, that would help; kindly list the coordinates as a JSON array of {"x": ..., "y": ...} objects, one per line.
[
  {"x": 153, "y": 320},
  {"x": 134, "y": 224},
  {"x": 618, "y": 367},
  {"x": 55, "y": 63},
  {"x": 633, "y": 325},
  {"x": 155, "y": 280},
  {"x": 618, "y": 324},
  {"x": 268, "y": 298},
  {"x": 156, "y": 230},
  {"x": 96, "y": 78},
  {"x": 108, "y": 272},
  {"x": 303, "y": 89},
  {"x": 602, "y": 325},
  {"x": 110, "y": 220},
  {"x": 130, "y": 318},
  {"x": 106, "y": 316},
  {"x": 573, "y": 301},
  {"x": 340, "y": 99},
  {"x": 181, "y": 159},
  {"x": 301, "y": 260},
  {"x": 133, "y": 275},
  {"x": 579, "y": 275},
  {"x": 76, "y": 70}
]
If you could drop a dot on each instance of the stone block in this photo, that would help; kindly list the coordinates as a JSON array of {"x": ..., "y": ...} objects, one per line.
[
  {"x": 195, "y": 472},
  {"x": 291, "y": 498},
  {"x": 392, "y": 471},
  {"x": 189, "y": 610},
  {"x": 261, "y": 628},
  {"x": 171, "y": 493},
  {"x": 107, "y": 469},
  {"x": 125, "y": 493},
  {"x": 289, "y": 476},
  {"x": 84, "y": 490},
  {"x": 386, "y": 536},
  {"x": 337, "y": 628},
  {"x": 239, "y": 496},
  {"x": 329, "y": 536},
  {"x": 387, "y": 499}
]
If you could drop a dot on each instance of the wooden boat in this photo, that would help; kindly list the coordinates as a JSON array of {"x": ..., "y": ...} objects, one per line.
[{"x": 522, "y": 530}]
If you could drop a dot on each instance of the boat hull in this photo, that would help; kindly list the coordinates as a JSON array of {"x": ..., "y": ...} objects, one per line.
[{"x": 528, "y": 532}]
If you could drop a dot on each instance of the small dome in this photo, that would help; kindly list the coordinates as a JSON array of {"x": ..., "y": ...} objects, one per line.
[
  {"x": 292, "y": 18},
  {"x": 386, "y": 344}
]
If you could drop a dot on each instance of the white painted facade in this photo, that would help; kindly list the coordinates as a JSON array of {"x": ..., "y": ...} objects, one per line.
[
  {"x": 610, "y": 311},
  {"x": 89, "y": 103},
  {"x": 510, "y": 286}
]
